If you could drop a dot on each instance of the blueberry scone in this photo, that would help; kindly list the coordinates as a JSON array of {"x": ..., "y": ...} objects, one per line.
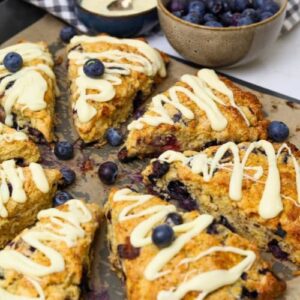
[
  {"x": 28, "y": 89},
  {"x": 196, "y": 112},
  {"x": 108, "y": 76},
  {"x": 23, "y": 193},
  {"x": 16, "y": 144},
  {"x": 48, "y": 261},
  {"x": 164, "y": 254},
  {"x": 255, "y": 186}
]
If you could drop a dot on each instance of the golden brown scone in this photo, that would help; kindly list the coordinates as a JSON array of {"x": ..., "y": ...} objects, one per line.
[
  {"x": 266, "y": 208},
  {"x": 16, "y": 144},
  {"x": 197, "y": 112},
  {"x": 132, "y": 68},
  {"x": 27, "y": 97},
  {"x": 24, "y": 192},
  {"x": 59, "y": 247},
  {"x": 131, "y": 219}
]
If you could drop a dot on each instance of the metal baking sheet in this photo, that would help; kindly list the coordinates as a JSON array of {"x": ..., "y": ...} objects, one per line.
[{"x": 104, "y": 284}]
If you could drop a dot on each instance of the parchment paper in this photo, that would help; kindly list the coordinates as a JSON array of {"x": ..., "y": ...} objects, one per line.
[{"x": 104, "y": 284}]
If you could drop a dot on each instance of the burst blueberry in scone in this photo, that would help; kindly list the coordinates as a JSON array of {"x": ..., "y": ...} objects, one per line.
[
  {"x": 256, "y": 186},
  {"x": 23, "y": 193},
  {"x": 16, "y": 144},
  {"x": 28, "y": 89},
  {"x": 196, "y": 112},
  {"x": 109, "y": 76},
  {"x": 164, "y": 254},
  {"x": 49, "y": 261}
]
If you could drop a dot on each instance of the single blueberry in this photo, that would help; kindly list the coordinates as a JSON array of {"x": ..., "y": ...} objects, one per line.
[
  {"x": 178, "y": 13},
  {"x": 243, "y": 21},
  {"x": 67, "y": 33},
  {"x": 215, "y": 6},
  {"x": 252, "y": 13},
  {"x": 177, "y": 5},
  {"x": 227, "y": 18},
  {"x": 108, "y": 172},
  {"x": 64, "y": 150},
  {"x": 192, "y": 18},
  {"x": 241, "y": 5},
  {"x": 209, "y": 17},
  {"x": 278, "y": 131},
  {"x": 69, "y": 176},
  {"x": 13, "y": 62},
  {"x": 228, "y": 5},
  {"x": 259, "y": 3},
  {"x": 163, "y": 236},
  {"x": 265, "y": 15},
  {"x": 213, "y": 24},
  {"x": 61, "y": 197},
  {"x": 271, "y": 7},
  {"x": 114, "y": 137},
  {"x": 174, "y": 219},
  {"x": 93, "y": 68},
  {"x": 197, "y": 7},
  {"x": 235, "y": 18}
]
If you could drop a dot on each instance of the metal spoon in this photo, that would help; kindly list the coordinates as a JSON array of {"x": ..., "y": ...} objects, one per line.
[{"x": 120, "y": 5}]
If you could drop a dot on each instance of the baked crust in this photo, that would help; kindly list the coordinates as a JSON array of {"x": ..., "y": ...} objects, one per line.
[
  {"x": 38, "y": 123},
  {"x": 197, "y": 133},
  {"x": 279, "y": 235},
  {"x": 261, "y": 283},
  {"x": 59, "y": 285},
  {"x": 135, "y": 87}
]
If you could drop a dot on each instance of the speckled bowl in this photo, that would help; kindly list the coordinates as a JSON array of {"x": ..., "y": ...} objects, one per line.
[
  {"x": 120, "y": 26},
  {"x": 220, "y": 47}
]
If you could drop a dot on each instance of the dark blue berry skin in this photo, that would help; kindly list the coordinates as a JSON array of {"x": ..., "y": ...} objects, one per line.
[
  {"x": 209, "y": 17},
  {"x": 13, "y": 62},
  {"x": 93, "y": 68},
  {"x": 265, "y": 15},
  {"x": 61, "y": 197},
  {"x": 235, "y": 18},
  {"x": 278, "y": 131},
  {"x": 215, "y": 6},
  {"x": 178, "y": 14},
  {"x": 108, "y": 172},
  {"x": 271, "y": 7},
  {"x": 252, "y": 13},
  {"x": 241, "y": 5},
  {"x": 174, "y": 219},
  {"x": 67, "y": 33},
  {"x": 197, "y": 7},
  {"x": 259, "y": 3},
  {"x": 64, "y": 150},
  {"x": 177, "y": 5},
  {"x": 227, "y": 18},
  {"x": 192, "y": 18},
  {"x": 213, "y": 24},
  {"x": 114, "y": 137},
  {"x": 69, "y": 176},
  {"x": 163, "y": 236},
  {"x": 243, "y": 21}
]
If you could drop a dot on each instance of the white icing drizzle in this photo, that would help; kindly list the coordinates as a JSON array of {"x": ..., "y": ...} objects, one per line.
[
  {"x": 148, "y": 62},
  {"x": 39, "y": 177},
  {"x": 202, "y": 95},
  {"x": 271, "y": 203},
  {"x": 29, "y": 85},
  {"x": 69, "y": 230},
  {"x": 11, "y": 136},
  {"x": 204, "y": 283}
]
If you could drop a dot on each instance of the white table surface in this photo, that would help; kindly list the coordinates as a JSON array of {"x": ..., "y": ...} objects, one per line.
[{"x": 277, "y": 70}]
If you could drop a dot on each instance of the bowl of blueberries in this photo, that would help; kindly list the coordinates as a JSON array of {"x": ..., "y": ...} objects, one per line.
[{"x": 221, "y": 33}]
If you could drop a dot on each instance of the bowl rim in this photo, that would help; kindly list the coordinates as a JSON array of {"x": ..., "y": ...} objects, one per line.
[
  {"x": 78, "y": 3},
  {"x": 162, "y": 7}
]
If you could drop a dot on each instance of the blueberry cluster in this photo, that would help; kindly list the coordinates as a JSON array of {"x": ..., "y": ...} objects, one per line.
[{"x": 223, "y": 13}]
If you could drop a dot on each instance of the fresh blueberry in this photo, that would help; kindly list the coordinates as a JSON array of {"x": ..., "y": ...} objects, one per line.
[
  {"x": 241, "y": 5},
  {"x": 265, "y": 15},
  {"x": 235, "y": 18},
  {"x": 108, "y": 172},
  {"x": 64, "y": 150},
  {"x": 243, "y": 21},
  {"x": 259, "y": 3},
  {"x": 215, "y": 6},
  {"x": 93, "y": 68},
  {"x": 278, "y": 131},
  {"x": 67, "y": 33},
  {"x": 209, "y": 17},
  {"x": 114, "y": 137},
  {"x": 163, "y": 236},
  {"x": 13, "y": 62},
  {"x": 271, "y": 7},
  {"x": 192, "y": 18},
  {"x": 178, "y": 13},
  {"x": 174, "y": 219},
  {"x": 228, "y": 5},
  {"x": 252, "y": 13},
  {"x": 177, "y": 5},
  {"x": 197, "y": 7},
  {"x": 213, "y": 24},
  {"x": 227, "y": 18},
  {"x": 61, "y": 197},
  {"x": 69, "y": 176}
]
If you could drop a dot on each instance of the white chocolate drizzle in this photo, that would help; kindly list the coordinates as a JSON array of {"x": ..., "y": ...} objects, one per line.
[
  {"x": 29, "y": 85},
  {"x": 12, "y": 135},
  {"x": 148, "y": 62},
  {"x": 205, "y": 282},
  {"x": 271, "y": 203},
  {"x": 202, "y": 95},
  {"x": 64, "y": 226}
]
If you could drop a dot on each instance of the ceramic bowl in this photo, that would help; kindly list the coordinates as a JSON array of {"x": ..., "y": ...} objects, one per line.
[
  {"x": 119, "y": 26},
  {"x": 220, "y": 47}
]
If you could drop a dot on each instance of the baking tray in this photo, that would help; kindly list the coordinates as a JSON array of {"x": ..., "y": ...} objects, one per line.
[{"x": 104, "y": 285}]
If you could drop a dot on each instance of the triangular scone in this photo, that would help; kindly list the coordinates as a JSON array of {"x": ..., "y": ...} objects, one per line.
[
  {"x": 196, "y": 112},
  {"x": 256, "y": 186},
  {"x": 49, "y": 260},
  {"x": 23, "y": 193},
  {"x": 132, "y": 68},
  {"x": 27, "y": 97},
  {"x": 205, "y": 260},
  {"x": 16, "y": 144}
]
